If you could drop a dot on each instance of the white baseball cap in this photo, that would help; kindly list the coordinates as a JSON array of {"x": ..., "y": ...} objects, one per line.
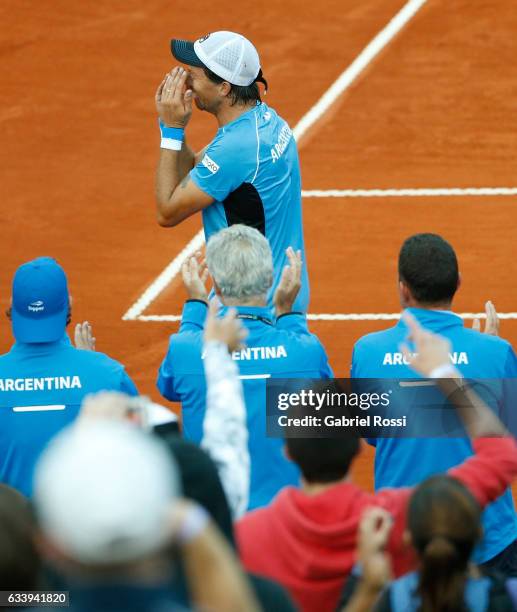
[
  {"x": 227, "y": 54},
  {"x": 103, "y": 491}
]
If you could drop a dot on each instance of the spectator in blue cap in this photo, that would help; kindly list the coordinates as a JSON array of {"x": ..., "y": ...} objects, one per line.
[
  {"x": 40, "y": 307},
  {"x": 44, "y": 378}
]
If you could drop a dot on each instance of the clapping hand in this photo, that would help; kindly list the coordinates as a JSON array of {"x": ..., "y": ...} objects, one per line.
[
  {"x": 491, "y": 323},
  {"x": 195, "y": 274},
  {"x": 83, "y": 337},
  {"x": 290, "y": 283},
  {"x": 374, "y": 531}
]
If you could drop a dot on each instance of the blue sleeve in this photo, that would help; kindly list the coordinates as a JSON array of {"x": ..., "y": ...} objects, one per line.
[
  {"x": 353, "y": 367},
  {"x": 325, "y": 369},
  {"x": 193, "y": 316},
  {"x": 127, "y": 385},
  {"x": 510, "y": 368},
  {"x": 165, "y": 381},
  {"x": 222, "y": 169}
]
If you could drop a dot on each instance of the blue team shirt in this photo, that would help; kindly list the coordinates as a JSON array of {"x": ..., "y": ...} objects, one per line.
[
  {"x": 407, "y": 461},
  {"x": 282, "y": 350},
  {"x": 252, "y": 171},
  {"x": 41, "y": 390}
]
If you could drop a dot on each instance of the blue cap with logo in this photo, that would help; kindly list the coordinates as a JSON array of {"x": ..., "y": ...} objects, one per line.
[{"x": 40, "y": 301}]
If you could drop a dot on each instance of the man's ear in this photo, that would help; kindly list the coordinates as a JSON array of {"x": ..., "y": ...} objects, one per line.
[
  {"x": 225, "y": 88},
  {"x": 404, "y": 293},
  {"x": 459, "y": 281}
]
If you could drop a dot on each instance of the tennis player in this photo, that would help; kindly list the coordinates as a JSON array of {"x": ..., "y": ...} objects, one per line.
[{"x": 250, "y": 172}]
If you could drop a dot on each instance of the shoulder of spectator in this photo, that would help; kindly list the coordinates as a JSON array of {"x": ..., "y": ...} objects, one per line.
[{"x": 96, "y": 358}]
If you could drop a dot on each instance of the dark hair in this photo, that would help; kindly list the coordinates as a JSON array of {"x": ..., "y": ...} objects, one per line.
[
  {"x": 240, "y": 94},
  {"x": 428, "y": 266},
  {"x": 19, "y": 561},
  {"x": 322, "y": 459},
  {"x": 444, "y": 520}
]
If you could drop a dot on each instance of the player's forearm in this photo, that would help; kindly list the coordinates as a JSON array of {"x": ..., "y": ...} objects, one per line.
[{"x": 173, "y": 167}]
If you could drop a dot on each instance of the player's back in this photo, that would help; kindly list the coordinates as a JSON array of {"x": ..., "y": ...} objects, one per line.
[{"x": 252, "y": 171}]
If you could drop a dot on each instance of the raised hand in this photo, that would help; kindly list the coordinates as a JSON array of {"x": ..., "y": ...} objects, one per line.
[
  {"x": 491, "y": 322},
  {"x": 290, "y": 283},
  {"x": 83, "y": 336},
  {"x": 374, "y": 531},
  {"x": 195, "y": 273},
  {"x": 173, "y": 99}
]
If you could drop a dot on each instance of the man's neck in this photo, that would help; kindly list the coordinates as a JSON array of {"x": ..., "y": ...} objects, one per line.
[
  {"x": 414, "y": 304},
  {"x": 227, "y": 113}
]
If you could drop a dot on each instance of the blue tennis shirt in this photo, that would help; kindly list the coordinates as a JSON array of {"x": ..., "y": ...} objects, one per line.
[
  {"x": 41, "y": 390},
  {"x": 252, "y": 171},
  {"x": 407, "y": 461},
  {"x": 284, "y": 349}
]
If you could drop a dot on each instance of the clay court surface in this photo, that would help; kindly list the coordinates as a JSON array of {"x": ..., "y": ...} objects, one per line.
[{"x": 435, "y": 109}]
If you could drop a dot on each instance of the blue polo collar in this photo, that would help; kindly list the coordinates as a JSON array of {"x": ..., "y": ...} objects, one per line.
[{"x": 251, "y": 313}]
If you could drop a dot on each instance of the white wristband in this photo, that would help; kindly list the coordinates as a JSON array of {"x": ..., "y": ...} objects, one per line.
[
  {"x": 171, "y": 144},
  {"x": 171, "y": 137},
  {"x": 444, "y": 371}
]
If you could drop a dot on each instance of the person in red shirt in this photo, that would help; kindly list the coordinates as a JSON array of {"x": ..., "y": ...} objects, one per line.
[{"x": 306, "y": 538}]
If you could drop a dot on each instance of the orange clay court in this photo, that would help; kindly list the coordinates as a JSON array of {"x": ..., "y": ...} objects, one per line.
[{"x": 433, "y": 109}]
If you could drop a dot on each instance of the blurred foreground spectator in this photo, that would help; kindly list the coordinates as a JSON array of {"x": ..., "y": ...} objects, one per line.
[
  {"x": 199, "y": 475},
  {"x": 444, "y": 525},
  {"x": 19, "y": 560},
  {"x": 43, "y": 378},
  {"x": 106, "y": 498}
]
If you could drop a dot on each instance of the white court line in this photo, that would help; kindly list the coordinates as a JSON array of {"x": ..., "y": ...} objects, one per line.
[
  {"x": 367, "y": 55},
  {"x": 159, "y": 283},
  {"x": 365, "y": 316},
  {"x": 410, "y": 193},
  {"x": 315, "y": 113}
]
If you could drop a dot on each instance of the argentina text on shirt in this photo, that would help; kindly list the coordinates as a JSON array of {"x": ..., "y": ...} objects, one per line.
[{"x": 48, "y": 383}]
